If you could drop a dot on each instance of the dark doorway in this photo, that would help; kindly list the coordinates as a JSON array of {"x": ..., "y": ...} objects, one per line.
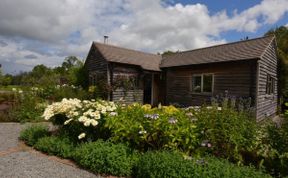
[{"x": 147, "y": 89}]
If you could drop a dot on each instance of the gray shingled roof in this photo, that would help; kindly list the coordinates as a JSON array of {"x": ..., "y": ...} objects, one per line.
[
  {"x": 247, "y": 49},
  {"x": 241, "y": 50},
  {"x": 127, "y": 56}
]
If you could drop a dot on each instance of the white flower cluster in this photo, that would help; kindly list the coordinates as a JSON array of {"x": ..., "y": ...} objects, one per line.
[
  {"x": 19, "y": 90},
  {"x": 86, "y": 112}
]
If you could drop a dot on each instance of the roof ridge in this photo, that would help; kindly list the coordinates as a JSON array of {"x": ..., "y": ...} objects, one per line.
[
  {"x": 114, "y": 46},
  {"x": 219, "y": 45},
  {"x": 273, "y": 37}
]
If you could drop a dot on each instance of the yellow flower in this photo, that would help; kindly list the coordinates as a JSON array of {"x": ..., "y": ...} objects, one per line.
[
  {"x": 170, "y": 109},
  {"x": 146, "y": 107}
]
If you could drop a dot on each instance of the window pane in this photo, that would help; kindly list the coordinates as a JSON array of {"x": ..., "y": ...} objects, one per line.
[
  {"x": 207, "y": 83},
  {"x": 269, "y": 84},
  {"x": 196, "y": 84},
  {"x": 273, "y": 85}
]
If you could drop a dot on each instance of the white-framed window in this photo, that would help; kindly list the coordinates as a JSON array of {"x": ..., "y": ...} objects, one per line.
[
  {"x": 270, "y": 85},
  {"x": 202, "y": 83}
]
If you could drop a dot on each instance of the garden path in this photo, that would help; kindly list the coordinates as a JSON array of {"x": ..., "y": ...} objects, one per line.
[{"x": 19, "y": 160}]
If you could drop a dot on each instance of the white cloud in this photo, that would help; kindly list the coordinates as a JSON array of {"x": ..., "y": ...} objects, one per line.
[
  {"x": 19, "y": 58},
  {"x": 51, "y": 30},
  {"x": 44, "y": 20}
]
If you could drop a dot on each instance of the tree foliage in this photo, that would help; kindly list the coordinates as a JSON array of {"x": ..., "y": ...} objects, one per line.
[{"x": 70, "y": 72}]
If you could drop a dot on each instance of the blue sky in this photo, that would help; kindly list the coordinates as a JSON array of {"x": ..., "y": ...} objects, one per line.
[{"x": 36, "y": 32}]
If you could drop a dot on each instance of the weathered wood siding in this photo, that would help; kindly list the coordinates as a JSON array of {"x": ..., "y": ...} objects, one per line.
[
  {"x": 130, "y": 96},
  {"x": 96, "y": 64},
  {"x": 236, "y": 78},
  {"x": 267, "y": 104}
]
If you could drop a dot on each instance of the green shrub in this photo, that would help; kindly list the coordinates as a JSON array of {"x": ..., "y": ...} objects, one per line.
[
  {"x": 272, "y": 148},
  {"x": 52, "y": 145},
  {"x": 28, "y": 107},
  {"x": 172, "y": 164},
  {"x": 57, "y": 93},
  {"x": 145, "y": 128},
  {"x": 224, "y": 131},
  {"x": 33, "y": 133},
  {"x": 106, "y": 158}
]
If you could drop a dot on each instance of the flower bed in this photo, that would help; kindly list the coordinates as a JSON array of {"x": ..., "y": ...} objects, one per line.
[{"x": 195, "y": 132}]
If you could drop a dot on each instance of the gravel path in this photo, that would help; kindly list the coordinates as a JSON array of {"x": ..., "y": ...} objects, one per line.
[{"x": 18, "y": 160}]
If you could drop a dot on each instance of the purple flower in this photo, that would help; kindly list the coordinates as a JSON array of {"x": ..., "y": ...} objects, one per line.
[
  {"x": 147, "y": 115},
  {"x": 152, "y": 116},
  {"x": 172, "y": 120},
  {"x": 155, "y": 116},
  {"x": 206, "y": 143},
  {"x": 189, "y": 114}
]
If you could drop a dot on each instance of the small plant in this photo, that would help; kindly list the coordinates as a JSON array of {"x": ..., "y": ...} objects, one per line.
[
  {"x": 106, "y": 158},
  {"x": 53, "y": 145},
  {"x": 33, "y": 133}
]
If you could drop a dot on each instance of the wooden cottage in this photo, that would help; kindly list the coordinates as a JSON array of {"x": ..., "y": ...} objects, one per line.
[
  {"x": 137, "y": 73},
  {"x": 246, "y": 69}
]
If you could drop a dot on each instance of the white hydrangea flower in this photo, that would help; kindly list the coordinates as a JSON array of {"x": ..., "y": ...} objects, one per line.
[
  {"x": 94, "y": 122},
  {"x": 82, "y": 119},
  {"x": 87, "y": 123},
  {"x": 85, "y": 112},
  {"x": 82, "y": 135},
  {"x": 67, "y": 121}
]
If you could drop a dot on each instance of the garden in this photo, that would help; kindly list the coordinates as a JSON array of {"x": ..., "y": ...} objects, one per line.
[{"x": 137, "y": 140}]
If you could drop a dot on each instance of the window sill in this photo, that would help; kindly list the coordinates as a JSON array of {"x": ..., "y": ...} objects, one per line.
[
  {"x": 269, "y": 96},
  {"x": 203, "y": 94}
]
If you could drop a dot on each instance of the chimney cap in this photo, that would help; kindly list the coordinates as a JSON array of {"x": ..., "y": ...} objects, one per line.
[{"x": 106, "y": 39}]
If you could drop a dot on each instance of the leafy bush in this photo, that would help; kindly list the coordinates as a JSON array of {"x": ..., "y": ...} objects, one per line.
[
  {"x": 145, "y": 128},
  {"x": 27, "y": 107},
  {"x": 80, "y": 119},
  {"x": 272, "y": 148},
  {"x": 106, "y": 158},
  {"x": 172, "y": 164},
  {"x": 55, "y": 146},
  {"x": 224, "y": 131},
  {"x": 58, "y": 92},
  {"x": 33, "y": 133}
]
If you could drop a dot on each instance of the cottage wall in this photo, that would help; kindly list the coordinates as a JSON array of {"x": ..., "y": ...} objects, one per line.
[
  {"x": 267, "y": 65},
  {"x": 127, "y": 94},
  {"x": 236, "y": 79},
  {"x": 96, "y": 65}
]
